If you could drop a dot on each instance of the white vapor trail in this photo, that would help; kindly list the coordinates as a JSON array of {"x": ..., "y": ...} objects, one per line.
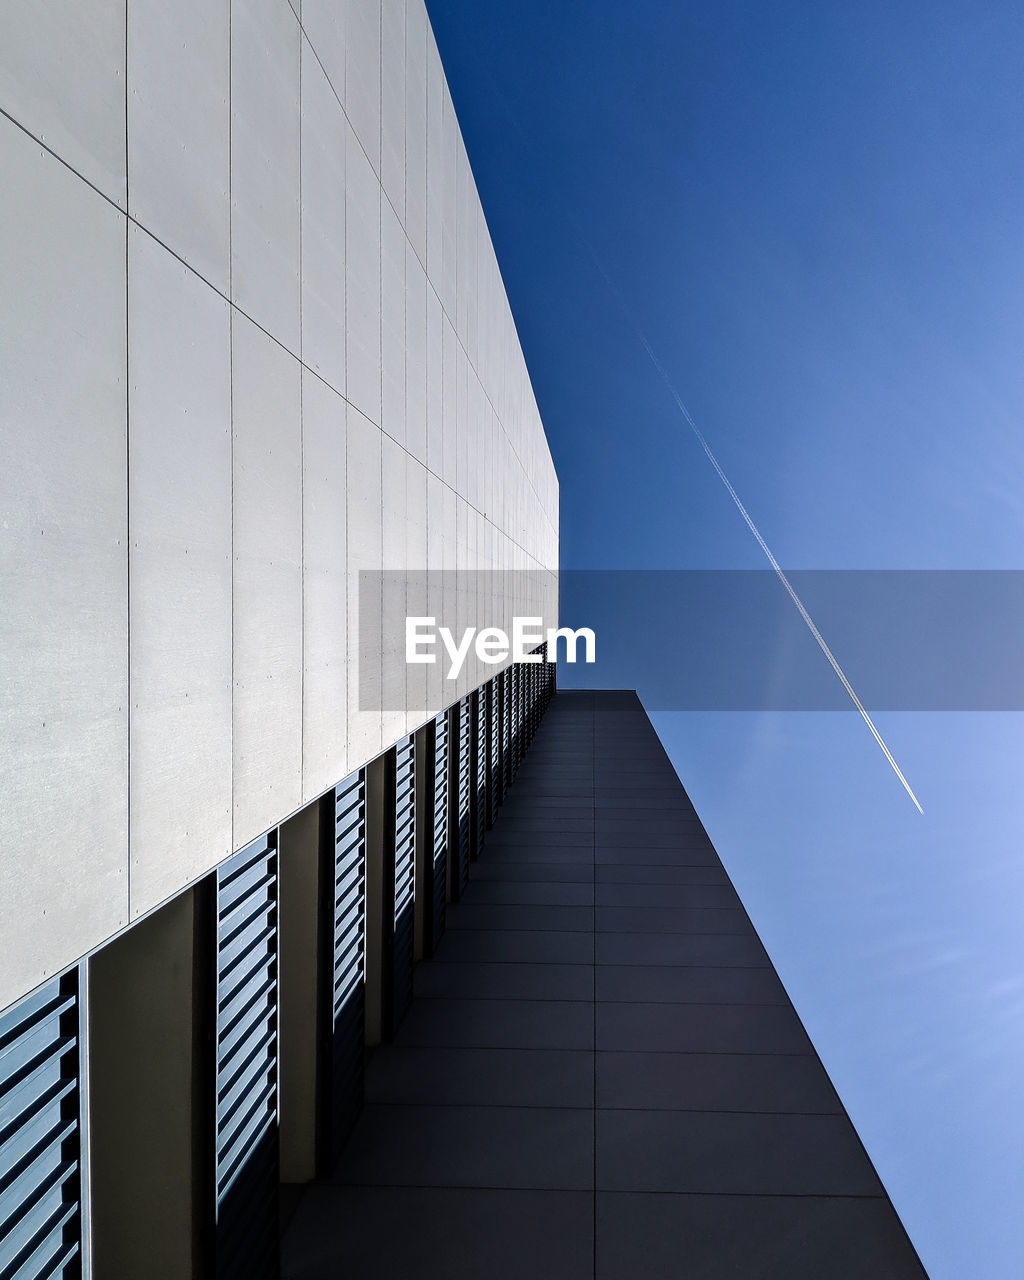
[
  {"x": 778, "y": 570},
  {"x": 578, "y": 231}
]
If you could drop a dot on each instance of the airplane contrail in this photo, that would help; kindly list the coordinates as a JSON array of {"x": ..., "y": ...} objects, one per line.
[
  {"x": 578, "y": 231},
  {"x": 822, "y": 645}
]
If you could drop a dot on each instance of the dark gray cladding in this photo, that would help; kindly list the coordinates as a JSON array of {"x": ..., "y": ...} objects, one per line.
[{"x": 601, "y": 1074}]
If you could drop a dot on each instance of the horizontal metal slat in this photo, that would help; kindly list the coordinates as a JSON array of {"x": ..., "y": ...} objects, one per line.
[
  {"x": 349, "y": 958},
  {"x": 245, "y": 1063},
  {"x": 31, "y": 1088},
  {"x": 16, "y": 1024},
  {"x": 245, "y": 1014},
  {"x": 47, "y": 1133},
  {"x": 38, "y": 1187},
  {"x": 236, "y": 956},
  {"x": 243, "y": 1136},
  {"x": 39, "y": 1125},
  {"x": 246, "y": 1071},
  {"x": 45, "y": 1253},
  {"x": 233, "y": 908},
  {"x": 243, "y": 863}
]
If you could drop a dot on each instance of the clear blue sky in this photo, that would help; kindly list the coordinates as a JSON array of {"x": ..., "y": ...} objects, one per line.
[{"x": 816, "y": 213}]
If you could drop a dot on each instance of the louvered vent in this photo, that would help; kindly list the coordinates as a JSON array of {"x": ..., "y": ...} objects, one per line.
[
  {"x": 40, "y": 1219},
  {"x": 463, "y": 814},
  {"x": 404, "y": 880},
  {"x": 246, "y": 1064},
  {"x": 480, "y": 760},
  {"x": 348, "y": 994},
  {"x": 440, "y": 830},
  {"x": 506, "y": 730},
  {"x": 496, "y": 790}
]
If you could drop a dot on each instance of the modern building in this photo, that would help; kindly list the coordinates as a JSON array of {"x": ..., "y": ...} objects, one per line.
[{"x": 259, "y": 371}]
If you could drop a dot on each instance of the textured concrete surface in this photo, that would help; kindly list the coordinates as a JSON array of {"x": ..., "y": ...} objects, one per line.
[{"x": 256, "y": 341}]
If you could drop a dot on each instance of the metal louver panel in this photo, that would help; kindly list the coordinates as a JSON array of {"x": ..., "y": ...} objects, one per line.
[
  {"x": 513, "y": 721},
  {"x": 40, "y": 1217},
  {"x": 405, "y": 825},
  {"x": 463, "y": 808},
  {"x": 346, "y": 900},
  {"x": 479, "y": 738},
  {"x": 520, "y": 675},
  {"x": 246, "y": 1064},
  {"x": 404, "y": 870},
  {"x": 524, "y": 709},
  {"x": 495, "y": 791},
  {"x": 506, "y": 730},
  {"x": 439, "y": 821}
]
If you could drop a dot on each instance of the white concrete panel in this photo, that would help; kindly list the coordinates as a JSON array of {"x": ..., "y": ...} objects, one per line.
[
  {"x": 267, "y": 577},
  {"x": 477, "y": 415},
  {"x": 415, "y": 356},
  {"x": 465, "y": 598},
  {"x": 488, "y": 466},
  {"x": 179, "y": 528},
  {"x": 450, "y": 603},
  {"x": 416, "y": 563},
  {"x": 323, "y": 225},
  {"x": 472, "y": 591},
  {"x": 435, "y": 401},
  {"x": 435, "y": 585},
  {"x": 463, "y": 426},
  {"x": 419, "y": 337},
  {"x": 62, "y": 73},
  {"x": 395, "y": 720},
  {"x": 472, "y": 338},
  {"x": 393, "y": 532},
  {"x": 496, "y": 383},
  {"x": 362, "y": 279},
  {"x": 392, "y": 126},
  {"x": 416, "y": 127},
  {"x": 324, "y": 588},
  {"x": 485, "y": 329},
  {"x": 463, "y": 214},
  {"x": 449, "y": 382},
  {"x": 436, "y": 90},
  {"x": 64, "y": 567},
  {"x": 362, "y": 74},
  {"x": 323, "y": 22},
  {"x": 265, "y": 166},
  {"x": 393, "y": 302},
  {"x": 500, "y": 458},
  {"x": 365, "y": 553},
  {"x": 449, "y": 203},
  {"x": 179, "y": 123}
]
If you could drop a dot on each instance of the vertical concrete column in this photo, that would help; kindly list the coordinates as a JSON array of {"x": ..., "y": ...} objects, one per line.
[
  {"x": 150, "y": 1038},
  {"x": 299, "y": 969}
]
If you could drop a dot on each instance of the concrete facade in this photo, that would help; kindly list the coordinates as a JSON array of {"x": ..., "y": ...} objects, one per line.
[{"x": 255, "y": 342}]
